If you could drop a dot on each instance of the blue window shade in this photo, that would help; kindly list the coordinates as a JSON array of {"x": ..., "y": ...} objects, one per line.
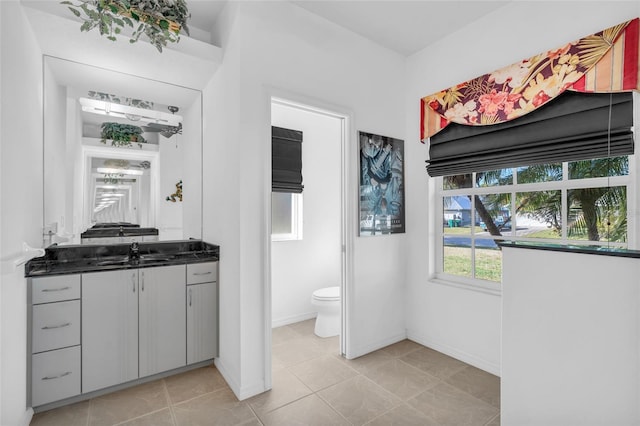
[
  {"x": 574, "y": 126},
  {"x": 286, "y": 160}
]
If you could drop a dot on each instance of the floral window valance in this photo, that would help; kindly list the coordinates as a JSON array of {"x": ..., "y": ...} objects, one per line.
[{"x": 606, "y": 61}]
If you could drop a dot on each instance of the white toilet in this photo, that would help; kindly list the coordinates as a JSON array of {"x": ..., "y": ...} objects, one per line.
[{"x": 327, "y": 300}]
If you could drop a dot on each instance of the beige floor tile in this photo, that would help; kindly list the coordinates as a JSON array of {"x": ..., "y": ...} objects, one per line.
[
  {"x": 159, "y": 418},
  {"x": 280, "y": 335},
  {"x": 128, "y": 404},
  {"x": 401, "y": 379},
  {"x": 70, "y": 415},
  {"x": 403, "y": 415},
  {"x": 359, "y": 400},
  {"x": 368, "y": 362},
  {"x": 495, "y": 421},
  {"x": 295, "y": 352},
  {"x": 329, "y": 345},
  {"x": 286, "y": 388},
  {"x": 401, "y": 348},
  {"x": 433, "y": 362},
  {"x": 482, "y": 385},
  {"x": 184, "y": 386},
  {"x": 322, "y": 372},
  {"x": 252, "y": 422},
  {"x": 451, "y": 406},
  {"x": 308, "y": 411},
  {"x": 304, "y": 328},
  {"x": 213, "y": 409}
]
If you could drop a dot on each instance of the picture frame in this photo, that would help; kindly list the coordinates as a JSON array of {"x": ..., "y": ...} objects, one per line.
[{"x": 381, "y": 185}]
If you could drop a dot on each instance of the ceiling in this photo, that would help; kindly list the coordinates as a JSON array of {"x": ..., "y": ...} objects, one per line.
[{"x": 404, "y": 26}]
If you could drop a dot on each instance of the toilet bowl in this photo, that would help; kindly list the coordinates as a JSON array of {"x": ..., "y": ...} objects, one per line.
[{"x": 327, "y": 301}]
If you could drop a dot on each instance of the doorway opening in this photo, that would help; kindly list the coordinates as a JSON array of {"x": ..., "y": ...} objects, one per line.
[{"x": 308, "y": 237}]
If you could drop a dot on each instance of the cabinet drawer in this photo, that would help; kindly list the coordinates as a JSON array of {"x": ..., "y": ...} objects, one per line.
[
  {"x": 202, "y": 272},
  {"x": 53, "y": 289},
  {"x": 55, "y": 375},
  {"x": 55, "y": 325}
]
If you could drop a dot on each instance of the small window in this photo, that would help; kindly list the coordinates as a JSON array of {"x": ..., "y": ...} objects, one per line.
[{"x": 286, "y": 216}]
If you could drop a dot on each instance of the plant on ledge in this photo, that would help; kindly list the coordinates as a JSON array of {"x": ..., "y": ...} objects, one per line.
[
  {"x": 121, "y": 134},
  {"x": 159, "y": 20}
]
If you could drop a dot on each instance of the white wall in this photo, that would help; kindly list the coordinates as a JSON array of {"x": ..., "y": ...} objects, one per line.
[
  {"x": 192, "y": 165},
  {"x": 458, "y": 321},
  {"x": 570, "y": 339},
  {"x": 279, "y": 45},
  {"x": 55, "y": 196},
  {"x": 172, "y": 167},
  {"x": 299, "y": 267},
  {"x": 21, "y": 192}
]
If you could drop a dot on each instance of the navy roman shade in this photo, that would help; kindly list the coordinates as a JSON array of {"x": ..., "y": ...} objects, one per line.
[
  {"x": 574, "y": 126},
  {"x": 286, "y": 160}
]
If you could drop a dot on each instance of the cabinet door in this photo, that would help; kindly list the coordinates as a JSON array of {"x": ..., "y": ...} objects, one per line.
[
  {"x": 162, "y": 319},
  {"x": 202, "y": 322},
  {"x": 109, "y": 328}
]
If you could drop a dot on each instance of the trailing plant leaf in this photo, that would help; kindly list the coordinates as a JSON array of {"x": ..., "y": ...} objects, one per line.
[
  {"x": 121, "y": 134},
  {"x": 160, "y": 20}
]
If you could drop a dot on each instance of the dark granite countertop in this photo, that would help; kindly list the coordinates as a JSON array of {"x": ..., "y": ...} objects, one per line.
[
  {"x": 122, "y": 231},
  {"x": 573, "y": 248},
  {"x": 74, "y": 259}
]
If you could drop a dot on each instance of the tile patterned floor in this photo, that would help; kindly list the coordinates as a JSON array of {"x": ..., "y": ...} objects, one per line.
[{"x": 402, "y": 384}]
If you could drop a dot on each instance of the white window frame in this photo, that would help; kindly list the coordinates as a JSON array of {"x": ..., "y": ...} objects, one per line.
[
  {"x": 296, "y": 219},
  {"x": 629, "y": 181}
]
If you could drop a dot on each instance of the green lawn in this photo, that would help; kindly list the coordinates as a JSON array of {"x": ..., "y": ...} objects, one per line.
[
  {"x": 457, "y": 261},
  {"x": 458, "y": 230}
]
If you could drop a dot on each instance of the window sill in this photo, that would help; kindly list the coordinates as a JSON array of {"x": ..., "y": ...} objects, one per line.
[{"x": 480, "y": 286}]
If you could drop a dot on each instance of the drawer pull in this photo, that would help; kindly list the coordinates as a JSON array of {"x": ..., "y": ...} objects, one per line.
[
  {"x": 56, "y": 377},
  {"x": 202, "y": 273},
  {"x": 51, "y": 327},
  {"x": 44, "y": 290}
]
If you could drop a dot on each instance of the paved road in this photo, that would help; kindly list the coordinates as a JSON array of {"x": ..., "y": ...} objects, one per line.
[{"x": 462, "y": 241}]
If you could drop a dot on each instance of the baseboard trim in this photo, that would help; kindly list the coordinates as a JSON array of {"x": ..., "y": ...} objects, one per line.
[
  {"x": 27, "y": 417},
  {"x": 463, "y": 356},
  {"x": 359, "y": 351},
  {"x": 292, "y": 319},
  {"x": 226, "y": 375},
  {"x": 241, "y": 392}
]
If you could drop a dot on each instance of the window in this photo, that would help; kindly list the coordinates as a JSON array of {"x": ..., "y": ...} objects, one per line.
[
  {"x": 286, "y": 216},
  {"x": 581, "y": 202}
]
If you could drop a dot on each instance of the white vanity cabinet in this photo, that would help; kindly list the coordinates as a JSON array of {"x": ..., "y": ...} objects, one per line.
[
  {"x": 94, "y": 330},
  {"x": 133, "y": 323},
  {"x": 109, "y": 328},
  {"x": 202, "y": 311},
  {"x": 162, "y": 316},
  {"x": 54, "y": 318}
]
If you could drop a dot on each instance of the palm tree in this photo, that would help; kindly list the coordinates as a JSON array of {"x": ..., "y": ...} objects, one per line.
[{"x": 593, "y": 206}]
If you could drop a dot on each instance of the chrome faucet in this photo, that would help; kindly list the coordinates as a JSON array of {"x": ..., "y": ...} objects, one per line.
[{"x": 134, "y": 251}]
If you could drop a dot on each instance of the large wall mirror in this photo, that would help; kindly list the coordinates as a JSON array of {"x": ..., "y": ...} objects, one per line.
[{"x": 120, "y": 151}]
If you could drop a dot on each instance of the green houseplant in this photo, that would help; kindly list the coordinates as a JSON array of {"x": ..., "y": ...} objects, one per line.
[
  {"x": 121, "y": 134},
  {"x": 160, "y": 20}
]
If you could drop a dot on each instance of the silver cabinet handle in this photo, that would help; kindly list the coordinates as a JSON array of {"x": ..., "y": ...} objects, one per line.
[
  {"x": 44, "y": 290},
  {"x": 51, "y": 327},
  {"x": 189, "y": 297},
  {"x": 56, "y": 377},
  {"x": 202, "y": 273},
  {"x": 142, "y": 280},
  {"x": 133, "y": 282}
]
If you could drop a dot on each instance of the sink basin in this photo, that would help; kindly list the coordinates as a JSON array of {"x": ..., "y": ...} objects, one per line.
[{"x": 112, "y": 260}]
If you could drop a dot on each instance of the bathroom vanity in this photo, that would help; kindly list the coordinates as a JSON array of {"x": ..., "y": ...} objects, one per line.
[{"x": 103, "y": 317}]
